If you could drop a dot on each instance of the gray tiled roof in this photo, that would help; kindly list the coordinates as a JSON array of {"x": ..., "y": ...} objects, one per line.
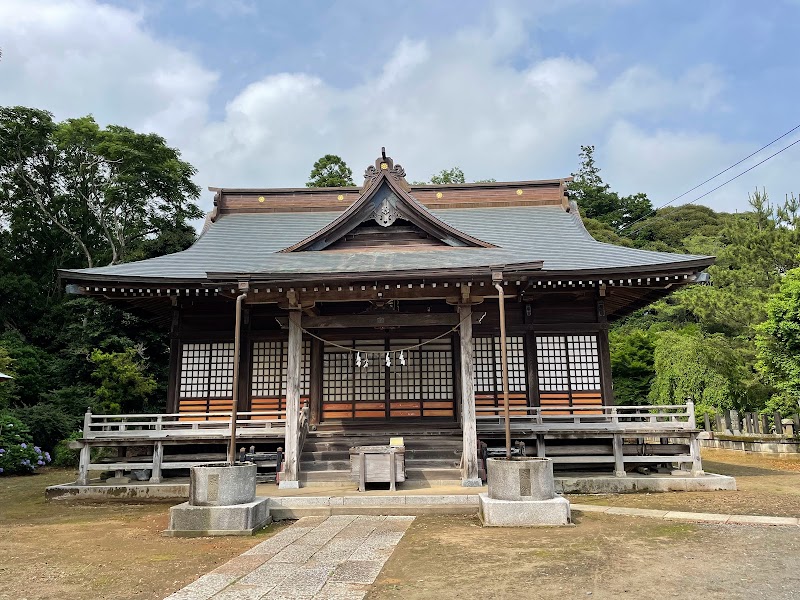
[{"x": 249, "y": 243}]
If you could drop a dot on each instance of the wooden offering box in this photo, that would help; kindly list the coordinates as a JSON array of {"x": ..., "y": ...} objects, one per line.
[{"x": 375, "y": 464}]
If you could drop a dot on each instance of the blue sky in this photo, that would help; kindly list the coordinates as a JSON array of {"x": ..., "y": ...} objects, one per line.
[{"x": 252, "y": 92}]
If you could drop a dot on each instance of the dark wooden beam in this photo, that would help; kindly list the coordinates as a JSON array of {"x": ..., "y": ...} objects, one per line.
[{"x": 381, "y": 320}]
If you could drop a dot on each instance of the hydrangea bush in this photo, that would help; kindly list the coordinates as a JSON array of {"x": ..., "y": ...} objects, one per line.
[{"x": 18, "y": 454}]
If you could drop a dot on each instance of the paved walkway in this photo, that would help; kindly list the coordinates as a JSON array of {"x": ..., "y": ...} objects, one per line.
[{"x": 334, "y": 557}]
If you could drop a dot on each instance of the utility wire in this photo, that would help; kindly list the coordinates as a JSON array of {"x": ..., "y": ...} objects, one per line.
[{"x": 720, "y": 173}]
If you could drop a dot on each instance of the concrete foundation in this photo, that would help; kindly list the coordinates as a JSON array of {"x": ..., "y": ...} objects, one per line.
[
  {"x": 523, "y": 513},
  {"x": 708, "y": 482},
  {"x": 186, "y": 520}
]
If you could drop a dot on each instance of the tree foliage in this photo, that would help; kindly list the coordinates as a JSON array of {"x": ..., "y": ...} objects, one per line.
[
  {"x": 330, "y": 171},
  {"x": 123, "y": 382},
  {"x": 596, "y": 200},
  {"x": 778, "y": 343},
  {"x": 74, "y": 194},
  {"x": 454, "y": 175},
  {"x": 102, "y": 190}
]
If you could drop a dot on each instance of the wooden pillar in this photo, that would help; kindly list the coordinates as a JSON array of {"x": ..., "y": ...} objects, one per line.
[
  {"x": 158, "y": 457},
  {"x": 606, "y": 381},
  {"x": 289, "y": 478},
  {"x": 315, "y": 387},
  {"x": 245, "y": 363},
  {"x": 83, "y": 465},
  {"x": 694, "y": 452},
  {"x": 174, "y": 358},
  {"x": 469, "y": 468},
  {"x": 619, "y": 463}
]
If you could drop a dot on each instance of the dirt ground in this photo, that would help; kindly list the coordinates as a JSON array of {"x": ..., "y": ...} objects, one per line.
[
  {"x": 766, "y": 486},
  {"x": 59, "y": 550},
  {"x": 603, "y": 557},
  {"x": 607, "y": 556}
]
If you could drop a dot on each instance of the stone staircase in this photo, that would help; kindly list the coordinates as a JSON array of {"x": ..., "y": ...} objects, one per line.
[{"x": 429, "y": 457}]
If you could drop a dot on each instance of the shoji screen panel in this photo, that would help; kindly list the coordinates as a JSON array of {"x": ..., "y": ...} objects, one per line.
[
  {"x": 568, "y": 368},
  {"x": 489, "y": 374},
  {"x": 268, "y": 375},
  {"x": 205, "y": 383}
]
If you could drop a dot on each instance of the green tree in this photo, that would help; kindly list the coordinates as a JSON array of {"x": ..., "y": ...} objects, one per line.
[
  {"x": 454, "y": 175},
  {"x": 632, "y": 365},
  {"x": 596, "y": 200},
  {"x": 123, "y": 383},
  {"x": 101, "y": 191},
  {"x": 330, "y": 171},
  {"x": 778, "y": 343},
  {"x": 705, "y": 368}
]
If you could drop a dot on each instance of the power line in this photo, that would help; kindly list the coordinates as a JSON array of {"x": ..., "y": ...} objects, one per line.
[{"x": 653, "y": 211}]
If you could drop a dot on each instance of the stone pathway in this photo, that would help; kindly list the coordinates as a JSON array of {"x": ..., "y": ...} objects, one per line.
[{"x": 334, "y": 557}]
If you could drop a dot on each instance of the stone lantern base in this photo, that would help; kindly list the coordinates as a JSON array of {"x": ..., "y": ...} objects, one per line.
[
  {"x": 222, "y": 501},
  {"x": 522, "y": 494},
  {"x": 523, "y": 513}
]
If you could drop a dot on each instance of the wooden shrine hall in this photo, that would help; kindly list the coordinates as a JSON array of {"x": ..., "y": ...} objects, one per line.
[{"x": 337, "y": 316}]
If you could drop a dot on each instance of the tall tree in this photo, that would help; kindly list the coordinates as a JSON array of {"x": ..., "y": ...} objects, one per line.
[
  {"x": 103, "y": 190},
  {"x": 778, "y": 344},
  {"x": 330, "y": 171},
  {"x": 596, "y": 200}
]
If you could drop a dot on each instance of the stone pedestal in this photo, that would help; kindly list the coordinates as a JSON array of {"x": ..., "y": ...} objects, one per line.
[
  {"x": 186, "y": 520},
  {"x": 222, "y": 485},
  {"x": 222, "y": 501},
  {"x": 522, "y": 494},
  {"x": 523, "y": 513}
]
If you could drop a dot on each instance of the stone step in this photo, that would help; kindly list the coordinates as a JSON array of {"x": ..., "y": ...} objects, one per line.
[
  {"x": 423, "y": 454},
  {"x": 428, "y": 474},
  {"x": 326, "y": 465}
]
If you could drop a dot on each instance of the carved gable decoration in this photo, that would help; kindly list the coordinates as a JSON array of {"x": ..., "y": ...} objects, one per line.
[{"x": 385, "y": 202}]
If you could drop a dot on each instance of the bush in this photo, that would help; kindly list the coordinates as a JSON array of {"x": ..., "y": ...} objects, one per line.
[
  {"x": 63, "y": 455},
  {"x": 18, "y": 454}
]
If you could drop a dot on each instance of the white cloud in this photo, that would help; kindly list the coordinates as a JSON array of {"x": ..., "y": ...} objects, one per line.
[
  {"x": 79, "y": 57},
  {"x": 462, "y": 100}
]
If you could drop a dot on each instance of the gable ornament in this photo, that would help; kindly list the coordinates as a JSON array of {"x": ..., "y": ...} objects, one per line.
[
  {"x": 386, "y": 213},
  {"x": 385, "y": 164}
]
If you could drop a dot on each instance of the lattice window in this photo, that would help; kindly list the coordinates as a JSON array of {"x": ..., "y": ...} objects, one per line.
[
  {"x": 426, "y": 375},
  {"x": 270, "y": 365},
  {"x": 568, "y": 363},
  {"x": 369, "y": 383},
  {"x": 404, "y": 380},
  {"x": 485, "y": 371},
  {"x": 337, "y": 374},
  {"x": 206, "y": 370},
  {"x": 436, "y": 361},
  {"x": 584, "y": 362},
  {"x": 489, "y": 365},
  {"x": 552, "y": 362}
]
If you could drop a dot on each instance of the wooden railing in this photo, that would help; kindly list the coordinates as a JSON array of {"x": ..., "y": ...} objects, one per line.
[
  {"x": 185, "y": 424},
  {"x": 593, "y": 418}
]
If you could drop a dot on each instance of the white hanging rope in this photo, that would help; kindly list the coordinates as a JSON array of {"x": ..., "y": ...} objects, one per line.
[{"x": 365, "y": 362}]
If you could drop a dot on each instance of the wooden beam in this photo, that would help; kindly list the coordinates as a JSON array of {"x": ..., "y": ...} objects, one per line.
[{"x": 379, "y": 320}]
